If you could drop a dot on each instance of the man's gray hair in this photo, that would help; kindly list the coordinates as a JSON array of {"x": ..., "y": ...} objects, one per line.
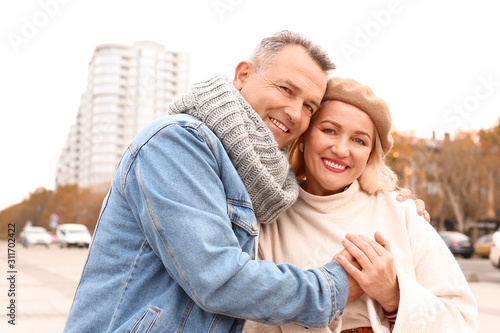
[{"x": 266, "y": 53}]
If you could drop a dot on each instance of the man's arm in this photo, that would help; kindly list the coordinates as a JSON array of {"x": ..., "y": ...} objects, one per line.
[{"x": 189, "y": 229}]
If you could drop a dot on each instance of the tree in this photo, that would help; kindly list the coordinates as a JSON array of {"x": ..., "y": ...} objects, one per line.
[
  {"x": 75, "y": 205},
  {"x": 450, "y": 175},
  {"x": 490, "y": 144},
  {"x": 30, "y": 209},
  {"x": 70, "y": 203}
]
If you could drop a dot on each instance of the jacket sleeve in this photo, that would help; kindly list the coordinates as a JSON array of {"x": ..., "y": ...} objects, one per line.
[
  {"x": 437, "y": 298},
  {"x": 182, "y": 210}
]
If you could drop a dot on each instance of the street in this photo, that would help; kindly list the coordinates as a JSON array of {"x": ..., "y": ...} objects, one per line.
[
  {"x": 479, "y": 270},
  {"x": 37, "y": 291}
]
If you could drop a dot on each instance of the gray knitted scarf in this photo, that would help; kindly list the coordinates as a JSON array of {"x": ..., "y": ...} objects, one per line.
[{"x": 264, "y": 169}]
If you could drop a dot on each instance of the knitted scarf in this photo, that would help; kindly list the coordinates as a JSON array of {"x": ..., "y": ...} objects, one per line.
[{"x": 264, "y": 169}]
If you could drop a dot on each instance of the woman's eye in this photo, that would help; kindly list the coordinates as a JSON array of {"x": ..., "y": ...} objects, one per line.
[
  {"x": 329, "y": 131},
  {"x": 360, "y": 141}
]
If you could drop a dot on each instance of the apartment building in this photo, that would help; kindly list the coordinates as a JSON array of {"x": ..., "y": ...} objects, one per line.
[{"x": 127, "y": 87}]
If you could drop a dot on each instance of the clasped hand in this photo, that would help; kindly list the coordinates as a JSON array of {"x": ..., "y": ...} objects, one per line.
[{"x": 370, "y": 264}]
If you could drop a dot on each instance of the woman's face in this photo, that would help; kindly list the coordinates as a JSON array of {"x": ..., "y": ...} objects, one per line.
[{"x": 337, "y": 146}]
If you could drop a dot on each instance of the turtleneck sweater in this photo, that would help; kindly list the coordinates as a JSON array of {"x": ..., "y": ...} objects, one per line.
[{"x": 434, "y": 295}]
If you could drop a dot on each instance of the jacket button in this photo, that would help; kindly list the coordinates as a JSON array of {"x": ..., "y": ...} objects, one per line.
[{"x": 255, "y": 226}]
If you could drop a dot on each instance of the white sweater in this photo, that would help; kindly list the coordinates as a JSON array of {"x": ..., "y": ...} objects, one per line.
[{"x": 434, "y": 295}]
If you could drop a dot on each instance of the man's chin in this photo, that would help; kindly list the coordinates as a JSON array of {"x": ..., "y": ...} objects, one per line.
[{"x": 282, "y": 139}]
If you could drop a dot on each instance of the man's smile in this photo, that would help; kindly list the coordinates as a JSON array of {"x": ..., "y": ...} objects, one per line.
[{"x": 280, "y": 125}]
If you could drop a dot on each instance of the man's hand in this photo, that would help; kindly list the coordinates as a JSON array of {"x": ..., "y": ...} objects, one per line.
[
  {"x": 377, "y": 276},
  {"x": 405, "y": 194},
  {"x": 355, "y": 290}
]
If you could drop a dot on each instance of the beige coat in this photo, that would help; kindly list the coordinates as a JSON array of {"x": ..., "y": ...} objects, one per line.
[{"x": 435, "y": 296}]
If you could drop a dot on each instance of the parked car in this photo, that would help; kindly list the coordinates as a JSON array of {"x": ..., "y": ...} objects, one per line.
[
  {"x": 495, "y": 249},
  {"x": 71, "y": 234},
  {"x": 458, "y": 243},
  {"x": 35, "y": 236},
  {"x": 482, "y": 246}
]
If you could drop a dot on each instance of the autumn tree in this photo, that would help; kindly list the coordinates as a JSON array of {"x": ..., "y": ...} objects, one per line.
[
  {"x": 450, "y": 175},
  {"x": 490, "y": 163},
  {"x": 71, "y": 203},
  {"x": 30, "y": 209},
  {"x": 75, "y": 205}
]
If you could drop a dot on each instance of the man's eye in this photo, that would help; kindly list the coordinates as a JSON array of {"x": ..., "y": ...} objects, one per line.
[
  {"x": 309, "y": 108},
  {"x": 286, "y": 89}
]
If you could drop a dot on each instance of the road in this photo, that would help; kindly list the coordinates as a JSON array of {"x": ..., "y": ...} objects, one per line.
[
  {"x": 479, "y": 270},
  {"x": 46, "y": 279}
]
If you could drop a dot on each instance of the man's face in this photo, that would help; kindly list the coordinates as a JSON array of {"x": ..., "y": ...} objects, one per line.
[{"x": 286, "y": 94}]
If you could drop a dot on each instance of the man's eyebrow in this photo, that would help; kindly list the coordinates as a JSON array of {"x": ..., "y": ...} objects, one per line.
[
  {"x": 297, "y": 88},
  {"x": 293, "y": 85}
]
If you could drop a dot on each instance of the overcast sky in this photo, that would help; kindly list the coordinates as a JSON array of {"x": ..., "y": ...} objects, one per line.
[{"x": 436, "y": 63}]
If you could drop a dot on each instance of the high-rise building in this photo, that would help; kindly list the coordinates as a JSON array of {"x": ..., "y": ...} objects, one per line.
[{"x": 128, "y": 86}]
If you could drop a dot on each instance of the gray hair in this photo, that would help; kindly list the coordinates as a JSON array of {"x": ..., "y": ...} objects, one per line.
[{"x": 266, "y": 53}]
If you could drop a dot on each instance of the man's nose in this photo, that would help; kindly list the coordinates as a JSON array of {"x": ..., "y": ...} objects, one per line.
[{"x": 294, "y": 111}]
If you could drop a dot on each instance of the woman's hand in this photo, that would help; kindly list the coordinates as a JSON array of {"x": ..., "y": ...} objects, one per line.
[
  {"x": 377, "y": 276},
  {"x": 405, "y": 194}
]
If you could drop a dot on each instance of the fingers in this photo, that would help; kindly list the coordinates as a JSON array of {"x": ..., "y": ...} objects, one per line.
[
  {"x": 370, "y": 247},
  {"x": 345, "y": 253},
  {"x": 362, "y": 249},
  {"x": 421, "y": 210},
  {"x": 404, "y": 194},
  {"x": 427, "y": 217},
  {"x": 420, "y": 206},
  {"x": 350, "y": 267},
  {"x": 382, "y": 241}
]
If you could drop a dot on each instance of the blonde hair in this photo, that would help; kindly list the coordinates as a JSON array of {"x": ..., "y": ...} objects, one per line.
[{"x": 376, "y": 177}]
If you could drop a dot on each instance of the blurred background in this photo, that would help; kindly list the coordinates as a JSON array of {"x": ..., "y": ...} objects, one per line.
[{"x": 81, "y": 78}]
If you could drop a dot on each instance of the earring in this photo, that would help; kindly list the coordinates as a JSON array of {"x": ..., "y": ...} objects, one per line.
[{"x": 301, "y": 147}]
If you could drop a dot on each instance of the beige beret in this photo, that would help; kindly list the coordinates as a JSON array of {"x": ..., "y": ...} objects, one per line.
[{"x": 361, "y": 96}]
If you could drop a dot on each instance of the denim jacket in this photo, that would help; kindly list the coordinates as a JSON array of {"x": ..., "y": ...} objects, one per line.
[{"x": 174, "y": 246}]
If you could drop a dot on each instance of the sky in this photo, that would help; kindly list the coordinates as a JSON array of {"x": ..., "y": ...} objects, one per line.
[{"x": 435, "y": 63}]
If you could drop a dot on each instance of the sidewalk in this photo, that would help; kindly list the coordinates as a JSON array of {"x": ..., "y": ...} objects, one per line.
[{"x": 488, "y": 299}]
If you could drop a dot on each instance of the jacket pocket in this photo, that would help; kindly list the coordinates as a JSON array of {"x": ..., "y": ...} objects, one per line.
[
  {"x": 244, "y": 223},
  {"x": 146, "y": 322}
]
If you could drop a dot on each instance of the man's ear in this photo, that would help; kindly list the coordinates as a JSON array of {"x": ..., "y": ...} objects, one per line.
[{"x": 242, "y": 72}]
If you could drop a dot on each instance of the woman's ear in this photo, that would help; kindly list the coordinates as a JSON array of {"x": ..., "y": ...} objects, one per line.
[{"x": 242, "y": 73}]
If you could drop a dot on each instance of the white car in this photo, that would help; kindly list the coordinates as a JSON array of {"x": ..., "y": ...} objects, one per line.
[
  {"x": 71, "y": 234},
  {"x": 495, "y": 249},
  {"x": 35, "y": 236}
]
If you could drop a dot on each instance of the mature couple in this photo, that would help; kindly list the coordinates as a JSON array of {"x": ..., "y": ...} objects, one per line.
[{"x": 198, "y": 192}]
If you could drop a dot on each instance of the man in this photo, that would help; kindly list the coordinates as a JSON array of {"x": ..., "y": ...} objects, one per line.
[{"x": 174, "y": 246}]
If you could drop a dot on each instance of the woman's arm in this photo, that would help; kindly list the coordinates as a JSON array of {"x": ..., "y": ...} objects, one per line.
[{"x": 433, "y": 298}]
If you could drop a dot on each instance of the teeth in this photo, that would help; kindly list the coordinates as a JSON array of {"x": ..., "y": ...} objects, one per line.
[
  {"x": 280, "y": 125},
  {"x": 334, "y": 165}
]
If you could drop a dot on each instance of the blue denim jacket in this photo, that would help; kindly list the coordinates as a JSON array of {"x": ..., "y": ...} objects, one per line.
[{"x": 174, "y": 246}]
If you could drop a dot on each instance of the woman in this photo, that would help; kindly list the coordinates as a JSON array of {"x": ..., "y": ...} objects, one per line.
[{"x": 411, "y": 281}]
